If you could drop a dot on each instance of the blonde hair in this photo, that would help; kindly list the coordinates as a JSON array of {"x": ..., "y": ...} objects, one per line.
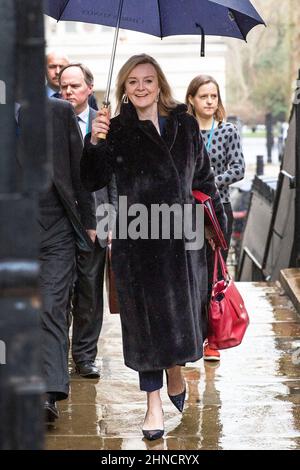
[
  {"x": 192, "y": 90},
  {"x": 166, "y": 102}
]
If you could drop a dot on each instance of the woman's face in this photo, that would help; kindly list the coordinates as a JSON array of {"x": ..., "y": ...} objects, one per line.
[
  {"x": 141, "y": 86},
  {"x": 205, "y": 101}
]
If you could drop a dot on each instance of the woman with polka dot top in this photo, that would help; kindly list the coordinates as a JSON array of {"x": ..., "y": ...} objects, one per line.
[{"x": 223, "y": 145}]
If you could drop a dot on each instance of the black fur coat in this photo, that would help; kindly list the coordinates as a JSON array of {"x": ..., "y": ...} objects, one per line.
[{"x": 162, "y": 287}]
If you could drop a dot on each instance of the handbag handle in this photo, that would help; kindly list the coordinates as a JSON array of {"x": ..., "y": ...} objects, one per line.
[{"x": 219, "y": 260}]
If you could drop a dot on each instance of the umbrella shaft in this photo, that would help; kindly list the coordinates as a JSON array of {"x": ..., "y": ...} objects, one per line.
[{"x": 113, "y": 53}]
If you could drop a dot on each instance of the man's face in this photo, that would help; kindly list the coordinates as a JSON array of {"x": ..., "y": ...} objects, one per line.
[
  {"x": 54, "y": 65},
  {"x": 74, "y": 88}
]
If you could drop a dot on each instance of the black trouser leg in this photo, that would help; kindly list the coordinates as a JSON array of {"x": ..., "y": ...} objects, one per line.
[
  {"x": 57, "y": 257},
  {"x": 151, "y": 381},
  {"x": 88, "y": 304}
]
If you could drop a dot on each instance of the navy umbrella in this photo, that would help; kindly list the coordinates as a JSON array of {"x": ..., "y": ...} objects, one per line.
[{"x": 232, "y": 18}]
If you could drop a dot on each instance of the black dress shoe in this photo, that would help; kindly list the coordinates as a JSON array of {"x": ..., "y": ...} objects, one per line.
[
  {"x": 50, "y": 408},
  {"x": 177, "y": 400},
  {"x": 88, "y": 370}
]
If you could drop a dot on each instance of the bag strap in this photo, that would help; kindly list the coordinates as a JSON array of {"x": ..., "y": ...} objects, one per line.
[
  {"x": 219, "y": 260},
  {"x": 222, "y": 263}
]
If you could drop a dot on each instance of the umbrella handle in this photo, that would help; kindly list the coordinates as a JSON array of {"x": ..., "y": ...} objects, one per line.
[{"x": 100, "y": 135}]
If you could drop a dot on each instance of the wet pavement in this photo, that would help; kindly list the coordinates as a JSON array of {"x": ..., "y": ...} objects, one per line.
[{"x": 251, "y": 400}]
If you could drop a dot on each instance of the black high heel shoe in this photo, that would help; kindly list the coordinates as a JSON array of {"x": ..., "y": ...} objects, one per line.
[
  {"x": 177, "y": 400},
  {"x": 153, "y": 434}
]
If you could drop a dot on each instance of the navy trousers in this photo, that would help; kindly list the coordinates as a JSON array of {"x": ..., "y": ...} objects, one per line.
[{"x": 151, "y": 381}]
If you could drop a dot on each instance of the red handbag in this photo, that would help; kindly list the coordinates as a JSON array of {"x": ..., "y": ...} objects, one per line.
[
  {"x": 227, "y": 315},
  {"x": 211, "y": 218}
]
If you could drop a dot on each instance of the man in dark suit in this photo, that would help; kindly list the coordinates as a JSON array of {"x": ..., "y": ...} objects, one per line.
[
  {"x": 76, "y": 84},
  {"x": 66, "y": 218}
]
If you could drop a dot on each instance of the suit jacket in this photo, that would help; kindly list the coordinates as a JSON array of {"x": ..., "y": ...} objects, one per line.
[
  {"x": 67, "y": 148},
  {"x": 108, "y": 194},
  {"x": 93, "y": 102},
  {"x": 66, "y": 191}
]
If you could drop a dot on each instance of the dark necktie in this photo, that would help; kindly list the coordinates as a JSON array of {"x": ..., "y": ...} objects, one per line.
[
  {"x": 56, "y": 95},
  {"x": 79, "y": 119}
]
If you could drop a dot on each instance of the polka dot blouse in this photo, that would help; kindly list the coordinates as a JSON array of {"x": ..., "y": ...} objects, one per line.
[{"x": 226, "y": 156}]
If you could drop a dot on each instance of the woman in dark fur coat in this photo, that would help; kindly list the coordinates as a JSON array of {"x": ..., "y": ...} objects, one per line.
[{"x": 153, "y": 148}]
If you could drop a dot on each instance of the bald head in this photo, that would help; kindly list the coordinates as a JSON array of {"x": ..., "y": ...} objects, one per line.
[{"x": 54, "y": 63}]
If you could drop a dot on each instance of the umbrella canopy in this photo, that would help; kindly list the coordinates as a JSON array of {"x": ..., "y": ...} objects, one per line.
[{"x": 231, "y": 18}]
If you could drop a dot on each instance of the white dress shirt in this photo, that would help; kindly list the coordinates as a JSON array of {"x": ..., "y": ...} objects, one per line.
[{"x": 83, "y": 121}]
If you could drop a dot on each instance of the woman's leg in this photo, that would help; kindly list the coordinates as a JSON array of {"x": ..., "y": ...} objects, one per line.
[
  {"x": 176, "y": 384},
  {"x": 176, "y": 387},
  {"x": 154, "y": 416},
  {"x": 152, "y": 382}
]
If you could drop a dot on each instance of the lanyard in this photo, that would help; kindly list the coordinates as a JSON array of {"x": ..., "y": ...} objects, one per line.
[
  {"x": 87, "y": 129},
  {"x": 211, "y": 133}
]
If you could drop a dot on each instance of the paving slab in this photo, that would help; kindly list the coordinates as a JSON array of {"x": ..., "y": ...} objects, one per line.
[{"x": 250, "y": 400}]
